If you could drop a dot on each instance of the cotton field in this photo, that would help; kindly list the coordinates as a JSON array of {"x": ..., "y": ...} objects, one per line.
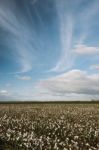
[{"x": 51, "y": 126}]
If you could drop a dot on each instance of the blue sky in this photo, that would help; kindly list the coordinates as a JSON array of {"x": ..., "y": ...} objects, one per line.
[{"x": 49, "y": 49}]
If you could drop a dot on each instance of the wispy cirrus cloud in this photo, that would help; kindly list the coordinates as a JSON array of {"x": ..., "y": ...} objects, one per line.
[
  {"x": 22, "y": 38},
  {"x": 66, "y": 27},
  {"x": 38, "y": 35},
  {"x": 75, "y": 28},
  {"x": 66, "y": 40}
]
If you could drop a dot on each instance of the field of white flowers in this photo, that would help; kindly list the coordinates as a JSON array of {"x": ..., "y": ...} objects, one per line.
[{"x": 49, "y": 126}]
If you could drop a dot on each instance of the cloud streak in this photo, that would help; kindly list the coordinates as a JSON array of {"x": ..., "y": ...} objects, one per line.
[
  {"x": 22, "y": 38},
  {"x": 69, "y": 27},
  {"x": 66, "y": 39},
  {"x": 66, "y": 25}
]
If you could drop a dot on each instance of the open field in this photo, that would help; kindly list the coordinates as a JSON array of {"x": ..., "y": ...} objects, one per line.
[{"x": 52, "y": 126}]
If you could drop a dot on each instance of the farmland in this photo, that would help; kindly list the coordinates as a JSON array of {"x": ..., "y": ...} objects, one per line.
[{"x": 52, "y": 126}]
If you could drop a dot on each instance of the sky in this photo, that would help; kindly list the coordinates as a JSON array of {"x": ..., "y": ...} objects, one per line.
[{"x": 49, "y": 50}]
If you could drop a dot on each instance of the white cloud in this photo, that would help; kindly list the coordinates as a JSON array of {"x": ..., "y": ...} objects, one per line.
[
  {"x": 24, "y": 78},
  {"x": 95, "y": 67},
  {"x": 82, "y": 49},
  {"x": 4, "y": 93},
  {"x": 74, "y": 82}
]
